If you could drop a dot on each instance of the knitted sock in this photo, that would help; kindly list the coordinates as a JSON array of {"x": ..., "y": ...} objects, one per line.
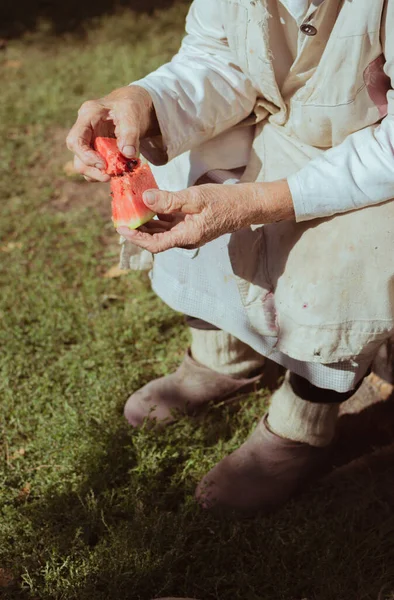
[
  {"x": 224, "y": 353},
  {"x": 296, "y": 419}
]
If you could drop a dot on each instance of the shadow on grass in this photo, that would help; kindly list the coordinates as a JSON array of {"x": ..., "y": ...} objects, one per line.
[
  {"x": 363, "y": 432},
  {"x": 16, "y": 18},
  {"x": 135, "y": 524}
]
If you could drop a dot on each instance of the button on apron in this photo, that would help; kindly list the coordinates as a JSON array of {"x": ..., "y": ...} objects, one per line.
[{"x": 308, "y": 29}]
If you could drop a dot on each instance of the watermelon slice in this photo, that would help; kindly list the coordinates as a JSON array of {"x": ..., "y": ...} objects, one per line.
[{"x": 129, "y": 180}]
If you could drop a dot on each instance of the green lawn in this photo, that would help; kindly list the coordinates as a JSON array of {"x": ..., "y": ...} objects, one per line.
[{"x": 89, "y": 508}]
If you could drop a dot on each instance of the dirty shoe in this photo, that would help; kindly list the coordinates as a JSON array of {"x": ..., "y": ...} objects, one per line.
[
  {"x": 265, "y": 472},
  {"x": 185, "y": 392}
]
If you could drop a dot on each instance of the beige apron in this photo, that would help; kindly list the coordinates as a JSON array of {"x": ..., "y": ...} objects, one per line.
[{"x": 318, "y": 291}]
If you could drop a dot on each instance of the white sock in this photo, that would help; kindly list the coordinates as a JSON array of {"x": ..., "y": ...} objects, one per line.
[
  {"x": 224, "y": 353},
  {"x": 296, "y": 419}
]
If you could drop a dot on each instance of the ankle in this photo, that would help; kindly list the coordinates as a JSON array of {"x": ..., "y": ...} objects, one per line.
[
  {"x": 299, "y": 420},
  {"x": 225, "y": 354}
]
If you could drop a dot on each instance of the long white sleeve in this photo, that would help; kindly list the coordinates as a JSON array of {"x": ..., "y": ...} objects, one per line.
[
  {"x": 201, "y": 92},
  {"x": 360, "y": 171}
]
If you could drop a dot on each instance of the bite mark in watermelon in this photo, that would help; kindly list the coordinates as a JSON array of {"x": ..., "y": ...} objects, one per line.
[
  {"x": 108, "y": 149},
  {"x": 129, "y": 180}
]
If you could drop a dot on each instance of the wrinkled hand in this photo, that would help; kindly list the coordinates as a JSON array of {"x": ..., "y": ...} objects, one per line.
[
  {"x": 126, "y": 113},
  {"x": 197, "y": 215}
]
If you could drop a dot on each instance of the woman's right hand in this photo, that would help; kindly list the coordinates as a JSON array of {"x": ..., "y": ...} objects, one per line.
[{"x": 126, "y": 113}]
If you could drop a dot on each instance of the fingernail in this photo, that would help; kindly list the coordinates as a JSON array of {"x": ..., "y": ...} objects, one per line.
[
  {"x": 126, "y": 232},
  {"x": 100, "y": 165},
  {"x": 129, "y": 151},
  {"x": 149, "y": 197}
]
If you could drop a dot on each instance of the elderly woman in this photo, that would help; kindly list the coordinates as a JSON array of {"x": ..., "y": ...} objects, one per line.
[{"x": 272, "y": 134}]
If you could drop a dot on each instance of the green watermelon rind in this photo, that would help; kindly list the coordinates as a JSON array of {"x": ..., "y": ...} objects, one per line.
[{"x": 133, "y": 224}]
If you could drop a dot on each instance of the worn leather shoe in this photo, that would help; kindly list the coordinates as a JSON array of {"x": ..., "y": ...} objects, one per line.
[
  {"x": 262, "y": 474},
  {"x": 185, "y": 392}
]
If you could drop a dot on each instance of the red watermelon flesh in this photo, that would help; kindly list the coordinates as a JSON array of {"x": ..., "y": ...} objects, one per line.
[
  {"x": 108, "y": 149},
  {"x": 128, "y": 208},
  {"x": 129, "y": 180}
]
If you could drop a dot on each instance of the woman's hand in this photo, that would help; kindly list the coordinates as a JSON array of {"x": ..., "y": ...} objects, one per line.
[
  {"x": 197, "y": 215},
  {"x": 127, "y": 114}
]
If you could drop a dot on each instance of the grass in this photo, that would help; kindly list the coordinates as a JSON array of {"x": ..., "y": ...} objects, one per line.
[{"x": 89, "y": 508}]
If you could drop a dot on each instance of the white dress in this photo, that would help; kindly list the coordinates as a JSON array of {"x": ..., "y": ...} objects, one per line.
[{"x": 201, "y": 282}]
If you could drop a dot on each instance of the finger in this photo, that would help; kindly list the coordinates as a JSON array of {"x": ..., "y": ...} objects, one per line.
[
  {"x": 80, "y": 138},
  {"x": 79, "y": 141},
  {"x": 187, "y": 201},
  {"x": 139, "y": 236},
  {"x": 91, "y": 173},
  {"x": 80, "y": 144},
  {"x": 127, "y": 130},
  {"x": 147, "y": 228},
  {"x": 126, "y": 232},
  {"x": 159, "y": 242}
]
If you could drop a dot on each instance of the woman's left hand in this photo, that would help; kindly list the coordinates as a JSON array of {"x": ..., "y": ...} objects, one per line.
[{"x": 200, "y": 214}]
